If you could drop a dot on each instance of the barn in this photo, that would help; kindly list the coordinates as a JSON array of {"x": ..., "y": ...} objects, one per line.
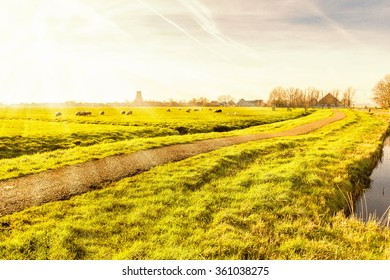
[
  {"x": 249, "y": 103},
  {"x": 329, "y": 100}
]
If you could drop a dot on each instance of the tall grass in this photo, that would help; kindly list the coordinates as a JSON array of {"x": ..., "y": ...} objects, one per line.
[{"x": 364, "y": 214}]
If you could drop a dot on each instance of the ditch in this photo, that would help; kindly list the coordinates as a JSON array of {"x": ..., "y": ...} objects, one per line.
[{"x": 374, "y": 203}]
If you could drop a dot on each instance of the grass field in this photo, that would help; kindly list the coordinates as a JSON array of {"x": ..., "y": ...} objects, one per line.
[
  {"x": 280, "y": 198},
  {"x": 34, "y": 140},
  {"x": 36, "y": 130}
]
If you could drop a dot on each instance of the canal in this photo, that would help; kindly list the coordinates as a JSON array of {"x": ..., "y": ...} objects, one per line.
[{"x": 375, "y": 201}]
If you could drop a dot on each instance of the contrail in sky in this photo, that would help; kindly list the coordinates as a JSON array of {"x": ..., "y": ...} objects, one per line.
[
  {"x": 316, "y": 10},
  {"x": 184, "y": 31},
  {"x": 205, "y": 20}
]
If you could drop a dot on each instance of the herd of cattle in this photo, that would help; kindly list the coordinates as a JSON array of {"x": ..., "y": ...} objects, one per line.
[{"x": 88, "y": 113}]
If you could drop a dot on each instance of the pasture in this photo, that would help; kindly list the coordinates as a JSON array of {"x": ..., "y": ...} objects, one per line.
[
  {"x": 34, "y": 140},
  {"x": 282, "y": 198},
  {"x": 37, "y": 130}
]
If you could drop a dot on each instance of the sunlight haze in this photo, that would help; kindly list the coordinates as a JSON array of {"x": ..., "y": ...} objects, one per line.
[{"x": 104, "y": 51}]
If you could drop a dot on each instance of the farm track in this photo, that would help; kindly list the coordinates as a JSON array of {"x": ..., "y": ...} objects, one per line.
[{"x": 64, "y": 182}]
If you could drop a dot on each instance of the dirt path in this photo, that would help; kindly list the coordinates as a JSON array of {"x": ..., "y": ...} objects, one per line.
[{"x": 64, "y": 182}]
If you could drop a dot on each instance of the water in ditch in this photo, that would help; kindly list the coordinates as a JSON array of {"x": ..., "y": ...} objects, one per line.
[{"x": 375, "y": 202}]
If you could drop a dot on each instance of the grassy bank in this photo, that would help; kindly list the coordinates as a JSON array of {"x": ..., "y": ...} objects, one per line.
[{"x": 273, "y": 199}]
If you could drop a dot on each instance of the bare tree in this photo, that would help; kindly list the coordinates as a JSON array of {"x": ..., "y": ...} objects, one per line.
[
  {"x": 224, "y": 99},
  {"x": 336, "y": 93},
  {"x": 172, "y": 102},
  {"x": 382, "y": 92},
  {"x": 289, "y": 95},
  {"x": 299, "y": 98},
  {"x": 278, "y": 97},
  {"x": 295, "y": 97},
  {"x": 203, "y": 101},
  {"x": 348, "y": 96},
  {"x": 312, "y": 95},
  {"x": 192, "y": 102}
]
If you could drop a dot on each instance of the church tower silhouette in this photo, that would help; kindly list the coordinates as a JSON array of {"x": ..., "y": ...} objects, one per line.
[{"x": 138, "y": 98}]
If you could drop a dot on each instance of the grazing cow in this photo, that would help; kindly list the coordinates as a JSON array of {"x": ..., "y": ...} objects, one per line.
[
  {"x": 129, "y": 112},
  {"x": 58, "y": 114},
  {"x": 168, "y": 110},
  {"x": 101, "y": 113},
  {"x": 196, "y": 110},
  {"x": 123, "y": 112},
  {"x": 218, "y": 111},
  {"x": 188, "y": 110}
]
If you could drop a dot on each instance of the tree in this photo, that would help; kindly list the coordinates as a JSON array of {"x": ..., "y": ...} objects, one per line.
[
  {"x": 224, "y": 99},
  {"x": 336, "y": 94},
  {"x": 203, "y": 101},
  {"x": 299, "y": 98},
  {"x": 312, "y": 96},
  {"x": 295, "y": 97},
  {"x": 278, "y": 97},
  {"x": 382, "y": 92},
  {"x": 192, "y": 102},
  {"x": 348, "y": 96},
  {"x": 172, "y": 102}
]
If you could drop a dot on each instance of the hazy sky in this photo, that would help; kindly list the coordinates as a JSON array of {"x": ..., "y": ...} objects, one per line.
[{"x": 99, "y": 50}]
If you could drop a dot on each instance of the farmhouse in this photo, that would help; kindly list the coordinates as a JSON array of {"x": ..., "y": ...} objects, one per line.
[
  {"x": 329, "y": 101},
  {"x": 249, "y": 103}
]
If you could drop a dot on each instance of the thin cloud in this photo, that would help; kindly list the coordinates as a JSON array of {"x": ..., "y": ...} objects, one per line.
[
  {"x": 204, "y": 18},
  {"x": 184, "y": 31},
  {"x": 331, "y": 22},
  {"x": 304, "y": 9}
]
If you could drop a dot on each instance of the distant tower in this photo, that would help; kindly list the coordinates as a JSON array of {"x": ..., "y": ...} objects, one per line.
[{"x": 138, "y": 98}]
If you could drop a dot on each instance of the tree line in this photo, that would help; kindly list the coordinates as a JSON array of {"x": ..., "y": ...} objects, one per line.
[{"x": 296, "y": 97}]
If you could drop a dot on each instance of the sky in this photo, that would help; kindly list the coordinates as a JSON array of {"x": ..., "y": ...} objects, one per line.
[{"x": 105, "y": 51}]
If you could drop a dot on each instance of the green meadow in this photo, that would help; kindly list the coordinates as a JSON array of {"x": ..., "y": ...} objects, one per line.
[
  {"x": 37, "y": 130},
  {"x": 34, "y": 140},
  {"x": 281, "y": 198}
]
